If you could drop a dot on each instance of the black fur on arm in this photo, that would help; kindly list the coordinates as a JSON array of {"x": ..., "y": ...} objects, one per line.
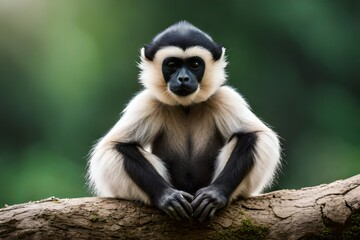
[
  {"x": 174, "y": 202},
  {"x": 239, "y": 164},
  {"x": 209, "y": 199},
  {"x": 141, "y": 171}
]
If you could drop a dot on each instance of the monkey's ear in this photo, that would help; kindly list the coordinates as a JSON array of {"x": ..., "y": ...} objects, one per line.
[
  {"x": 148, "y": 52},
  {"x": 218, "y": 51},
  {"x": 223, "y": 50},
  {"x": 142, "y": 53}
]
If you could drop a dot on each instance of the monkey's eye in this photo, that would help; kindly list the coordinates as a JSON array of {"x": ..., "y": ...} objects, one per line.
[
  {"x": 194, "y": 65},
  {"x": 172, "y": 65}
]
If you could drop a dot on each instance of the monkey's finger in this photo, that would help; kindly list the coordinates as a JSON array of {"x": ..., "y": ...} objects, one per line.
[
  {"x": 197, "y": 200},
  {"x": 187, "y": 196},
  {"x": 179, "y": 209},
  {"x": 206, "y": 212},
  {"x": 201, "y": 207},
  {"x": 185, "y": 204},
  {"x": 212, "y": 213},
  {"x": 172, "y": 213}
]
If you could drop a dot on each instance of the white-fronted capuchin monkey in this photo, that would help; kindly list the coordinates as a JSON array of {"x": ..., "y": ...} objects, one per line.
[{"x": 187, "y": 143}]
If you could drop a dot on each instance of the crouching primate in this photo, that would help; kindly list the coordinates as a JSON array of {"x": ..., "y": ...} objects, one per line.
[{"x": 187, "y": 143}]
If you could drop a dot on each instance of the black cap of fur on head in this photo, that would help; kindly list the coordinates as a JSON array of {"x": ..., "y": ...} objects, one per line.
[{"x": 183, "y": 35}]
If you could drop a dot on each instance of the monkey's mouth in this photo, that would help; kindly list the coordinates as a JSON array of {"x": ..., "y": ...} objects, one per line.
[{"x": 183, "y": 91}]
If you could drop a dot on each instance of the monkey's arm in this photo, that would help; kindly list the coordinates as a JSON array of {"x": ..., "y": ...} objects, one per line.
[
  {"x": 120, "y": 167},
  {"x": 246, "y": 164}
]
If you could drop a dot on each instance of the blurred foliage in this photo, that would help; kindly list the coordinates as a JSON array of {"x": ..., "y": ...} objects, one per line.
[{"x": 67, "y": 69}]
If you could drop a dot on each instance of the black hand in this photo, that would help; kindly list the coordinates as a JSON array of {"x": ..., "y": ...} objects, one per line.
[
  {"x": 207, "y": 200},
  {"x": 175, "y": 203}
]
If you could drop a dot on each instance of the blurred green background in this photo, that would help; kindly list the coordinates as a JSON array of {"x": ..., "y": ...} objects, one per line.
[{"x": 67, "y": 69}]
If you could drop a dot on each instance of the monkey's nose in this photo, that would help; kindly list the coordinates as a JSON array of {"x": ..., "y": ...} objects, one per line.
[
  {"x": 183, "y": 76},
  {"x": 183, "y": 79}
]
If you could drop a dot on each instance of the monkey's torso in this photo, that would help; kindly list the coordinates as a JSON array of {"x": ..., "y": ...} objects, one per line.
[{"x": 189, "y": 143}]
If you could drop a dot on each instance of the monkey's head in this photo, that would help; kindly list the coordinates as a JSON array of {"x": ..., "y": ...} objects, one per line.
[{"x": 182, "y": 65}]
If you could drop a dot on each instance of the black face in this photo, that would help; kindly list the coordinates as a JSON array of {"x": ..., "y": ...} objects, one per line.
[{"x": 183, "y": 75}]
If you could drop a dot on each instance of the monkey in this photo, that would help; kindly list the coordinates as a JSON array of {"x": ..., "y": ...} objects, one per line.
[{"x": 188, "y": 143}]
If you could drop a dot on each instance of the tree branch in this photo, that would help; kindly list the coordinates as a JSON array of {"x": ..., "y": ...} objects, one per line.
[{"x": 324, "y": 211}]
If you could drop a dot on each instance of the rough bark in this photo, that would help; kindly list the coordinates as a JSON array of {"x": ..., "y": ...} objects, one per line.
[{"x": 330, "y": 211}]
